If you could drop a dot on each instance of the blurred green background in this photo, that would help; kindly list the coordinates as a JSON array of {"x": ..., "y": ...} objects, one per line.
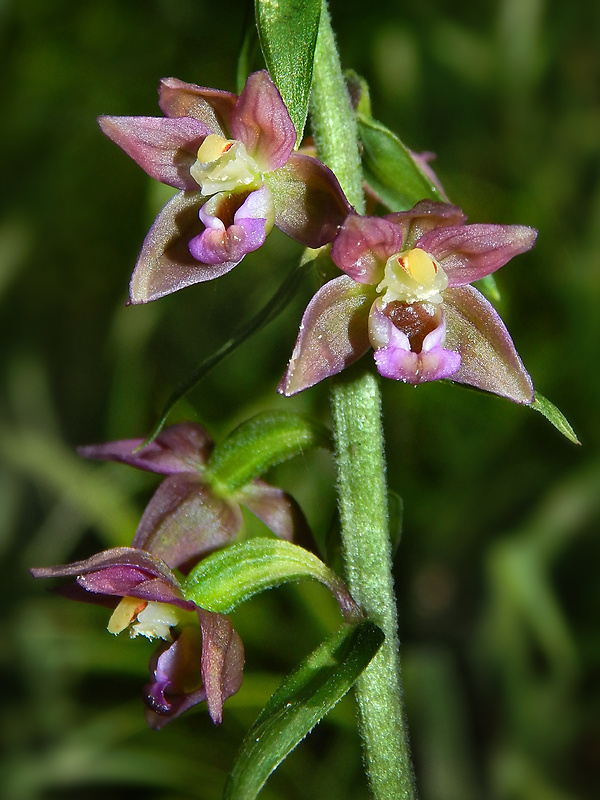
[{"x": 497, "y": 568}]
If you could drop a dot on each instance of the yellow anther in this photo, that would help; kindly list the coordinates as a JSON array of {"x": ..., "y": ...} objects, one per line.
[
  {"x": 125, "y": 613},
  {"x": 419, "y": 266},
  {"x": 213, "y": 148}
]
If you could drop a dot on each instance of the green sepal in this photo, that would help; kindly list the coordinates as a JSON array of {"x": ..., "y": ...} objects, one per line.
[
  {"x": 389, "y": 168},
  {"x": 223, "y": 580},
  {"x": 301, "y": 701},
  {"x": 261, "y": 442},
  {"x": 287, "y": 31},
  {"x": 556, "y": 417}
]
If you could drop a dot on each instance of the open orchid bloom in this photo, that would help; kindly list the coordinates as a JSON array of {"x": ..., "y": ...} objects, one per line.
[
  {"x": 205, "y": 657},
  {"x": 233, "y": 160},
  {"x": 189, "y": 515},
  {"x": 406, "y": 294}
]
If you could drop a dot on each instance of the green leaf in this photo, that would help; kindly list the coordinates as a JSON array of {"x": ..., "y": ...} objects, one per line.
[
  {"x": 261, "y": 442},
  {"x": 489, "y": 288},
  {"x": 226, "y": 578},
  {"x": 390, "y": 170},
  {"x": 302, "y": 700},
  {"x": 556, "y": 417},
  {"x": 284, "y": 295},
  {"x": 287, "y": 30}
]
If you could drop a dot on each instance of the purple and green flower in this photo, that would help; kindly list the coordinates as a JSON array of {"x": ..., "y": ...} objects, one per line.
[
  {"x": 233, "y": 160},
  {"x": 406, "y": 294}
]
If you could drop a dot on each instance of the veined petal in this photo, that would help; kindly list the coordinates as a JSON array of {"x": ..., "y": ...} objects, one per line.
[
  {"x": 213, "y": 107},
  {"x": 277, "y": 509},
  {"x": 185, "y": 520},
  {"x": 333, "y": 334},
  {"x": 489, "y": 359},
  {"x": 165, "y": 264},
  {"x": 262, "y": 122},
  {"x": 469, "y": 252},
  {"x": 164, "y": 148},
  {"x": 310, "y": 205},
  {"x": 184, "y": 447},
  {"x": 426, "y": 216},
  {"x": 363, "y": 246}
]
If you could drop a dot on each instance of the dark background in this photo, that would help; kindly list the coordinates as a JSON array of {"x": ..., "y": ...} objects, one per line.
[{"x": 497, "y": 568}]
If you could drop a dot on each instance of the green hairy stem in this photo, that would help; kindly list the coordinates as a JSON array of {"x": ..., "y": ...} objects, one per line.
[{"x": 356, "y": 405}]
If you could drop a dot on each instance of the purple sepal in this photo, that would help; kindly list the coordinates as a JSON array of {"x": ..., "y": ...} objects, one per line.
[
  {"x": 396, "y": 360},
  {"x": 363, "y": 246},
  {"x": 165, "y": 264},
  {"x": 185, "y": 520},
  {"x": 467, "y": 253},
  {"x": 222, "y": 660},
  {"x": 489, "y": 359},
  {"x": 424, "y": 217},
  {"x": 164, "y": 148},
  {"x": 333, "y": 334},
  {"x": 213, "y": 107},
  {"x": 184, "y": 447},
  {"x": 277, "y": 509},
  {"x": 261, "y": 121},
  {"x": 309, "y": 202},
  {"x": 222, "y": 242},
  {"x": 122, "y": 572}
]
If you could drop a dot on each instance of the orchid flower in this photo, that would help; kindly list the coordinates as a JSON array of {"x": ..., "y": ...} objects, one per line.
[
  {"x": 233, "y": 160},
  {"x": 203, "y": 661},
  {"x": 406, "y": 294},
  {"x": 191, "y": 514}
]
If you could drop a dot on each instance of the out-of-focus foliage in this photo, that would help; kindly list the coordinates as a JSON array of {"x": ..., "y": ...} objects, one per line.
[{"x": 496, "y": 570}]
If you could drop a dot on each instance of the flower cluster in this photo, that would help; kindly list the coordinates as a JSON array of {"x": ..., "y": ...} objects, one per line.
[
  {"x": 405, "y": 291},
  {"x": 188, "y": 517}
]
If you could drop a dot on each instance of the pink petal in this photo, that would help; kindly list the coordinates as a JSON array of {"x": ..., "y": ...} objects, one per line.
[
  {"x": 261, "y": 121},
  {"x": 470, "y": 252},
  {"x": 165, "y": 264},
  {"x": 310, "y": 205},
  {"x": 185, "y": 520},
  {"x": 333, "y": 334},
  {"x": 211, "y": 106},
  {"x": 164, "y": 148},
  {"x": 489, "y": 359},
  {"x": 363, "y": 246}
]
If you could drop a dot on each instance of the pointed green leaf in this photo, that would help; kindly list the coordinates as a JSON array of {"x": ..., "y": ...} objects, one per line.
[
  {"x": 556, "y": 417},
  {"x": 299, "y": 704},
  {"x": 287, "y": 30},
  {"x": 226, "y": 578},
  {"x": 390, "y": 170},
  {"x": 261, "y": 442}
]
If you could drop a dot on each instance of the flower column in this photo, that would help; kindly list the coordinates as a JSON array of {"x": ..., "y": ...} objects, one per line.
[{"x": 356, "y": 406}]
